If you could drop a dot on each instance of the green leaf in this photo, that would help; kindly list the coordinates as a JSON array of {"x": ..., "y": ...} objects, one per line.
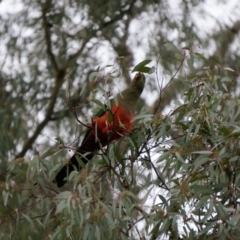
[
  {"x": 196, "y": 130},
  {"x": 179, "y": 109},
  {"x": 222, "y": 151},
  {"x": 14, "y": 163},
  {"x": 203, "y": 152},
  {"x": 56, "y": 233},
  {"x": 41, "y": 182},
  {"x": 147, "y": 194},
  {"x": 165, "y": 226},
  {"x": 99, "y": 103},
  {"x": 199, "y": 162},
  {"x": 179, "y": 157},
  {"x": 28, "y": 219},
  {"x": 163, "y": 199},
  {"x": 5, "y": 196},
  {"x": 83, "y": 88},
  {"x": 54, "y": 168},
  {"x": 141, "y": 67},
  {"x": 218, "y": 187},
  {"x": 191, "y": 235},
  {"x": 229, "y": 69},
  {"x": 152, "y": 70},
  {"x": 200, "y": 190},
  {"x": 59, "y": 140},
  {"x": 93, "y": 76},
  {"x": 72, "y": 175},
  {"x": 201, "y": 203},
  {"x": 233, "y": 159},
  {"x": 61, "y": 207},
  {"x": 146, "y": 163},
  {"x": 209, "y": 211},
  {"x": 197, "y": 178},
  {"x": 169, "y": 46},
  {"x": 163, "y": 157},
  {"x": 33, "y": 167},
  {"x": 51, "y": 151},
  {"x": 190, "y": 62},
  {"x": 200, "y": 56},
  {"x": 146, "y": 117},
  {"x": 207, "y": 228},
  {"x": 46, "y": 219},
  {"x": 64, "y": 195}
]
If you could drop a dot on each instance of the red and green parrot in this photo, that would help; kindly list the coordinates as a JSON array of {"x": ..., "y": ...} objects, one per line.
[{"x": 111, "y": 125}]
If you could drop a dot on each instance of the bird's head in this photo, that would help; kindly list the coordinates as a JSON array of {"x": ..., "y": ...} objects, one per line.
[{"x": 138, "y": 82}]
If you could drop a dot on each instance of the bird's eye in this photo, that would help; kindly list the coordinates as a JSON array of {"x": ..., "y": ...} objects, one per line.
[{"x": 138, "y": 76}]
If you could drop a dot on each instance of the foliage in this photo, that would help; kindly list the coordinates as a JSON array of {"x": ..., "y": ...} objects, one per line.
[
  {"x": 175, "y": 176},
  {"x": 192, "y": 177}
]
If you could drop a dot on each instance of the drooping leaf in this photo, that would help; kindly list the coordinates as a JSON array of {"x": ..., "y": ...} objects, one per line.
[{"x": 141, "y": 67}]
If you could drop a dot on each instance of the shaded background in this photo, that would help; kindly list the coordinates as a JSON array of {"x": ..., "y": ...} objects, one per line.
[
  {"x": 49, "y": 50},
  {"x": 41, "y": 44}
]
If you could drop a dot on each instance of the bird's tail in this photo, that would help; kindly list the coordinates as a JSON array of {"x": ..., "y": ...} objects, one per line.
[{"x": 73, "y": 164}]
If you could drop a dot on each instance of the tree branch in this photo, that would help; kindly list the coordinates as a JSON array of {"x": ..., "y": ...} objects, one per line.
[
  {"x": 58, "y": 83},
  {"x": 47, "y": 32}
]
